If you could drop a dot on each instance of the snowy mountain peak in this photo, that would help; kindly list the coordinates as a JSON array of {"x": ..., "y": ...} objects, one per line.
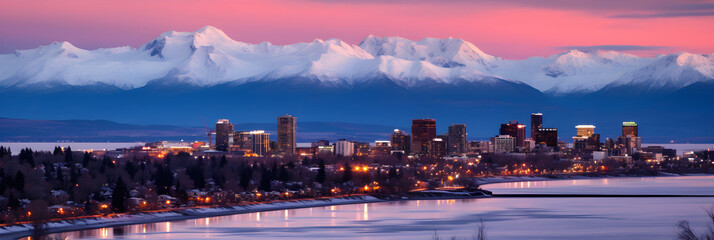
[
  {"x": 449, "y": 52},
  {"x": 180, "y": 44},
  {"x": 208, "y": 57}
]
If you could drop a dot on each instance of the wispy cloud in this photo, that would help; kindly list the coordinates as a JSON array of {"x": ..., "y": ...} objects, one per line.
[
  {"x": 616, "y": 48},
  {"x": 665, "y": 14},
  {"x": 607, "y": 8}
]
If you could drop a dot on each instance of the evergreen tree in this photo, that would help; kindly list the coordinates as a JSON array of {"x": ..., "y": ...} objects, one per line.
[
  {"x": 57, "y": 151},
  {"x": 196, "y": 173},
  {"x": 265, "y": 181},
  {"x": 245, "y": 177},
  {"x": 321, "y": 173},
  {"x": 60, "y": 175},
  {"x": 284, "y": 175},
  {"x": 347, "y": 174},
  {"x": 68, "y": 155},
  {"x": 3, "y": 182},
  {"x": 119, "y": 197},
  {"x": 19, "y": 182},
  {"x": 130, "y": 169},
  {"x": 164, "y": 179},
  {"x": 49, "y": 169},
  {"x": 224, "y": 162},
  {"x": 85, "y": 160}
]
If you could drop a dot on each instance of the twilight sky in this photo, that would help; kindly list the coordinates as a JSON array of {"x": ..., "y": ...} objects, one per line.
[{"x": 511, "y": 29}]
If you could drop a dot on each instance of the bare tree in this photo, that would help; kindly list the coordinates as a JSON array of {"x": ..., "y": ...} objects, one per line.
[
  {"x": 480, "y": 231},
  {"x": 687, "y": 233}
]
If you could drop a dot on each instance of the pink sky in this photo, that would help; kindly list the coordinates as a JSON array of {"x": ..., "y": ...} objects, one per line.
[{"x": 515, "y": 29}]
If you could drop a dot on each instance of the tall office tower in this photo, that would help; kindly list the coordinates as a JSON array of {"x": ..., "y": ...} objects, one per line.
[
  {"x": 401, "y": 141},
  {"x": 629, "y": 128},
  {"x": 629, "y": 144},
  {"x": 503, "y": 144},
  {"x": 536, "y": 123},
  {"x": 224, "y": 132},
  {"x": 423, "y": 131},
  {"x": 456, "y": 139},
  {"x": 547, "y": 136},
  {"x": 437, "y": 147},
  {"x": 585, "y": 138},
  {"x": 513, "y": 129},
  {"x": 260, "y": 142},
  {"x": 287, "y": 127},
  {"x": 243, "y": 140},
  {"x": 584, "y": 130}
]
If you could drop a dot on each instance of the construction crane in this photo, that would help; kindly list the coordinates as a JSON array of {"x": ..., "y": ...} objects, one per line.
[{"x": 209, "y": 132}]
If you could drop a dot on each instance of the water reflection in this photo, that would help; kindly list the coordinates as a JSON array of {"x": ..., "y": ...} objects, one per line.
[{"x": 534, "y": 218}]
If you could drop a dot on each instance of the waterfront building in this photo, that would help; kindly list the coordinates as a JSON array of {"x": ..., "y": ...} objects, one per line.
[
  {"x": 287, "y": 129},
  {"x": 536, "y": 123},
  {"x": 503, "y": 144},
  {"x": 437, "y": 147},
  {"x": 515, "y": 130},
  {"x": 260, "y": 142},
  {"x": 547, "y": 136},
  {"x": 480, "y": 146},
  {"x": 629, "y": 128},
  {"x": 344, "y": 148},
  {"x": 400, "y": 141},
  {"x": 586, "y": 141},
  {"x": 257, "y": 142},
  {"x": 423, "y": 131},
  {"x": 584, "y": 131},
  {"x": 456, "y": 139},
  {"x": 224, "y": 132},
  {"x": 629, "y": 144}
]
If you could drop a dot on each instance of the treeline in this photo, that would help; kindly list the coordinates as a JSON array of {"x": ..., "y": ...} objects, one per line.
[{"x": 34, "y": 180}]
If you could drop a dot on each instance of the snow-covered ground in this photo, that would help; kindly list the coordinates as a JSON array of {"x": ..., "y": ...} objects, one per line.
[{"x": 16, "y": 231}]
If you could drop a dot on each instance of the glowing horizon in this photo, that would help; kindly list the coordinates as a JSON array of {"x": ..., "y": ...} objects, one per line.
[{"x": 513, "y": 30}]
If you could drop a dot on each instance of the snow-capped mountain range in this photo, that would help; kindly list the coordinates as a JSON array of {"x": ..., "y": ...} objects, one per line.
[{"x": 208, "y": 57}]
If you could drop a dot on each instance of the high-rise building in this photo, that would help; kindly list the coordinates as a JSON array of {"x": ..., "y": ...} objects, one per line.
[
  {"x": 243, "y": 140},
  {"x": 260, "y": 143},
  {"x": 287, "y": 127},
  {"x": 224, "y": 132},
  {"x": 437, "y": 147},
  {"x": 400, "y": 141},
  {"x": 629, "y": 144},
  {"x": 586, "y": 139},
  {"x": 547, "y": 136},
  {"x": 344, "y": 148},
  {"x": 513, "y": 129},
  {"x": 257, "y": 142},
  {"x": 423, "y": 131},
  {"x": 629, "y": 128},
  {"x": 456, "y": 139},
  {"x": 503, "y": 144},
  {"x": 536, "y": 123},
  {"x": 584, "y": 130}
]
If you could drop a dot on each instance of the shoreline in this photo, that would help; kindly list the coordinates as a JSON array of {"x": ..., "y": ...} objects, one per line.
[{"x": 24, "y": 230}]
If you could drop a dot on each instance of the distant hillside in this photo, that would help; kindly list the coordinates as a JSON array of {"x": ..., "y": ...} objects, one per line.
[{"x": 16, "y": 130}]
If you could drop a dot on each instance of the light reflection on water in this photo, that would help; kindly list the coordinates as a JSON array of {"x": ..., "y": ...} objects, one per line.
[{"x": 506, "y": 218}]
